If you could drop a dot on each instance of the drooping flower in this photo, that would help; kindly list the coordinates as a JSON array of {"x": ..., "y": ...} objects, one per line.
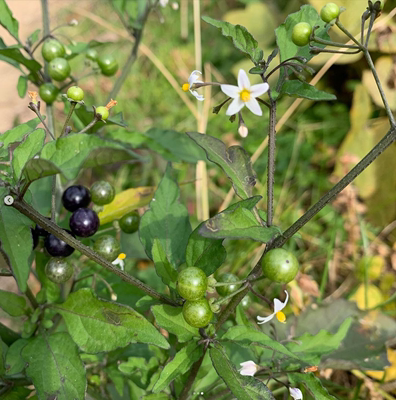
[
  {"x": 244, "y": 94},
  {"x": 295, "y": 393},
  {"x": 278, "y": 307},
  {"x": 249, "y": 368},
  {"x": 193, "y": 78},
  {"x": 120, "y": 261}
]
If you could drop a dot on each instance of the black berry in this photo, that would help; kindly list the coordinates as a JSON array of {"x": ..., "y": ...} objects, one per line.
[
  {"x": 41, "y": 231},
  {"x": 75, "y": 197},
  {"x": 57, "y": 247},
  {"x": 34, "y": 237},
  {"x": 84, "y": 222}
]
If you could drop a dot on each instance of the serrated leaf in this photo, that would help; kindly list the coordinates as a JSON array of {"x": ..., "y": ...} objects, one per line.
[
  {"x": 15, "y": 54},
  {"x": 164, "y": 269},
  {"x": 242, "y": 387},
  {"x": 205, "y": 253},
  {"x": 27, "y": 150},
  {"x": 234, "y": 161},
  {"x": 180, "y": 364},
  {"x": 239, "y": 36},
  {"x": 18, "y": 133},
  {"x": 171, "y": 319},
  {"x": 7, "y": 20},
  {"x": 14, "y": 362},
  {"x": 238, "y": 222},
  {"x": 16, "y": 240},
  {"x": 313, "y": 384},
  {"x": 296, "y": 88},
  {"x": 22, "y": 86},
  {"x": 98, "y": 325},
  {"x": 55, "y": 367},
  {"x": 12, "y": 303},
  {"x": 166, "y": 220}
]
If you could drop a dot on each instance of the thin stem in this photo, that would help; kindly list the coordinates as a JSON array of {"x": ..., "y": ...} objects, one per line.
[
  {"x": 60, "y": 233},
  {"x": 334, "y": 44},
  {"x": 37, "y": 112},
  {"x": 230, "y": 296},
  {"x": 72, "y": 107},
  {"x": 191, "y": 378},
  {"x": 46, "y": 25},
  {"x": 317, "y": 50},
  {"x": 373, "y": 16},
  {"x": 271, "y": 161},
  {"x": 260, "y": 296},
  {"x": 263, "y": 102},
  {"x": 53, "y": 198},
  {"x": 343, "y": 29},
  {"x": 29, "y": 294},
  {"x": 89, "y": 126}
]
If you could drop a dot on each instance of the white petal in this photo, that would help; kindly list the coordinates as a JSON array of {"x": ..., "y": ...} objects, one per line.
[
  {"x": 278, "y": 305},
  {"x": 247, "y": 364},
  {"x": 235, "y": 106},
  {"x": 263, "y": 320},
  {"x": 258, "y": 90},
  {"x": 163, "y": 3},
  {"x": 243, "y": 80},
  {"x": 243, "y": 131},
  {"x": 230, "y": 90},
  {"x": 296, "y": 393},
  {"x": 194, "y": 77},
  {"x": 197, "y": 95},
  {"x": 253, "y": 106}
]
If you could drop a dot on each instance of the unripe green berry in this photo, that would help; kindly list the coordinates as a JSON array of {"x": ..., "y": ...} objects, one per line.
[
  {"x": 47, "y": 323},
  {"x": 92, "y": 54},
  {"x": 102, "y": 193},
  {"x": 129, "y": 223},
  {"x": 192, "y": 283},
  {"x": 58, "y": 270},
  {"x": 197, "y": 313},
  {"x": 329, "y": 12},
  {"x": 108, "y": 247},
  {"x": 229, "y": 289},
  {"x": 75, "y": 93},
  {"x": 51, "y": 49},
  {"x": 59, "y": 69},
  {"x": 279, "y": 265},
  {"x": 103, "y": 111},
  {"x": 301, "y": 33}
]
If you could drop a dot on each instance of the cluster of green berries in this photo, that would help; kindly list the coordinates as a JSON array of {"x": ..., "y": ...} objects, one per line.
[
  {"x": 38, "y": 316},
  {"x": 302, "y": 31}
]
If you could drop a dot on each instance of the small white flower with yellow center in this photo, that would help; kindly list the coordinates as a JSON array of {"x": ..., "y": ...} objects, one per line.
[
  {"x": 244, "y": 94},
  {"x": 120, "y": 261},
  {"x": 249, "y": 368},
  {"x": 278, "y": 307},
  {"x": 295, "y": 393},
  {"x": 191, "y": 80}
]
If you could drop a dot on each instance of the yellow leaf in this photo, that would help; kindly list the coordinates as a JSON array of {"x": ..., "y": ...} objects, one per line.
[
  {"x": 125, "y": 202},
  {"x": 374, "y": 297},
  {"x": 390, "y": 371}
]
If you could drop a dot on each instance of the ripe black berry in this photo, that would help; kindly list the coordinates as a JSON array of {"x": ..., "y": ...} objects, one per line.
[
  {"x": 57, "y": 247},
  {"x": 75, "y": 197},
  {"x": 41, "y": 231},
  {"x": 34, "y": 237},
  {"x": 84, "y": 222}
]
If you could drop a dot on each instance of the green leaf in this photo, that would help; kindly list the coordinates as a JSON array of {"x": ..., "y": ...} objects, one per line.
[
  {"x": 33, "y": 37},
  {"x": 22, "y": 86},
  {"x": 52, "y": 290},
  {"x": 13, "y": 304},
  {"x": 242, "y": 387},
  {"x": 205, "y": 253},
  {"x": 17, "y": 393},
  {"x": 27, "y": 150},
  {"x": 164, "y": 269},
  {"x": 76, "y": 151},
  {"x": 37, "y": 168},
  {"x": 14, "y": 361},
  {"x": 171, "y": 319},
  {"x": 3, "y": 352},
  {"x": 180, "y": 364},
  {"x": 7, "y": 335},
  {"x": 245, "y": 336},
  {"x": 238, "y": 222},
  {"x": 234, "y": 161},
  {"x": 240, "y": 37},
  {"x": 15, "y": 54},
  {"x": 16, "y": 240},
  {"x": 17, "y": 134},
  {"x": 98, "y": 325},
  {"x": 7, "y": 20},
  {"x": 313, "y": 384},
  {"x": 296, "y": 88},
  {"x": 55, "y": 367},
  {"x": 166, "y": 220}
]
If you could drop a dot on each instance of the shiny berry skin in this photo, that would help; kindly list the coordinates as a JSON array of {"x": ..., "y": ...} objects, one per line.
[
  {"x": 48, "y": 92},
  {"x": 75, "y": 93},
  {"x": 102, "y": 193},
  {"x": 329, "y": 12},
  {"x": 301, "y": 33},
  {"x": 92, "y": 54},
  {"x": 58, "y": 270},
  {"x": 192, "y": 283},
  {"x": 41, "y": 231},
  {"x": 108, "y": 247},
  {"x": 75, "y": 197},
  {"x": 279, "y": 265},
  {"x": 103, "y": 111},
  {"x": 57, "y": 247},
  {"x": 35, "y": 237},
  {"x": 107, "y": 64},
  {"x": 229, "y": 289},
  {"x": 84, "y": 222},
  {"x": 246, "y": 301},
  {"x": 129, "y": 223},
  {"x": 52, "y": 49},
  {"x": 59, "y": 69},
  {"x": 197, "y": 313}
]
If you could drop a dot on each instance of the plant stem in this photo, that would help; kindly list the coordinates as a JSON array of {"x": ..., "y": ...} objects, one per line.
[
  {"x": 373, "y": 16},
  {"x": 60, "y": 233},
  {"x": 72, "y": 106},
  {"x": 343, "y": 29},
  {"x": 230, "y": 296},
  {"x": 191, "y": 378},
  {"x": 89, "y": 126},
  {"x": 31, "y": 297},
  {"x": 37, "y": 112},
  {"x": 46, "y": 25},
  {"x": 334, "y": 44},
  {"x": 271, "y": 160}
]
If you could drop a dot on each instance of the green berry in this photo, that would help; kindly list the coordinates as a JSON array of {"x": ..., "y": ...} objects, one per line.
[
  {"x": 102, "y": 193},
  {"x": 279, "y": 265},
  {"x": 92, "y": 54},
  {"x": 103, "y": 111},
  {"x": 192, "y": 283},
  {"x": 329, "y": 12},
  {"x": 229, "y": 289},
  {"x": 59, "y": 69},
  {"x": 48, "y": 92},
  {"x": 75, "y": 93},
  {"x": 197, "y": 313},
  {"x": 51, "y": 49},
  {"x": 107, "y": 64},
  {"x": 301, "y": 33},
  {"x": 108, "y": 247},
  {"x": 58, "y": 270},
  {"x": 47, "y": 323},
  {"x": 246, "y": 301},
  {"x": 129, "y": 223}
]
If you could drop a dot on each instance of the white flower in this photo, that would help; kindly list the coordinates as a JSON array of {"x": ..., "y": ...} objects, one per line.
[
  {"x": 163, "y": 3},
  {"x": 243, "y": 130},
  {"x": 249, "y": 368},
  {"x": 278, "y": 307},
  {"x": 244, "y": 94},
  {"x": 120, "y": 261},
  {"x": 295, "y": 393},
  {"x": 191, "y": 80}
]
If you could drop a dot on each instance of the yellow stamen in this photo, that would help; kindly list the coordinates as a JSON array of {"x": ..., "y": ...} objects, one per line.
[
  {"x": 122, "y": 256},
  {"x": 186, "y": 87},
  {"x": 281, "y": 317},
  {"x": 111, "y": 104},
  {"x": 245, "y": 95},
  {"x": 33, "y": 96}
]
